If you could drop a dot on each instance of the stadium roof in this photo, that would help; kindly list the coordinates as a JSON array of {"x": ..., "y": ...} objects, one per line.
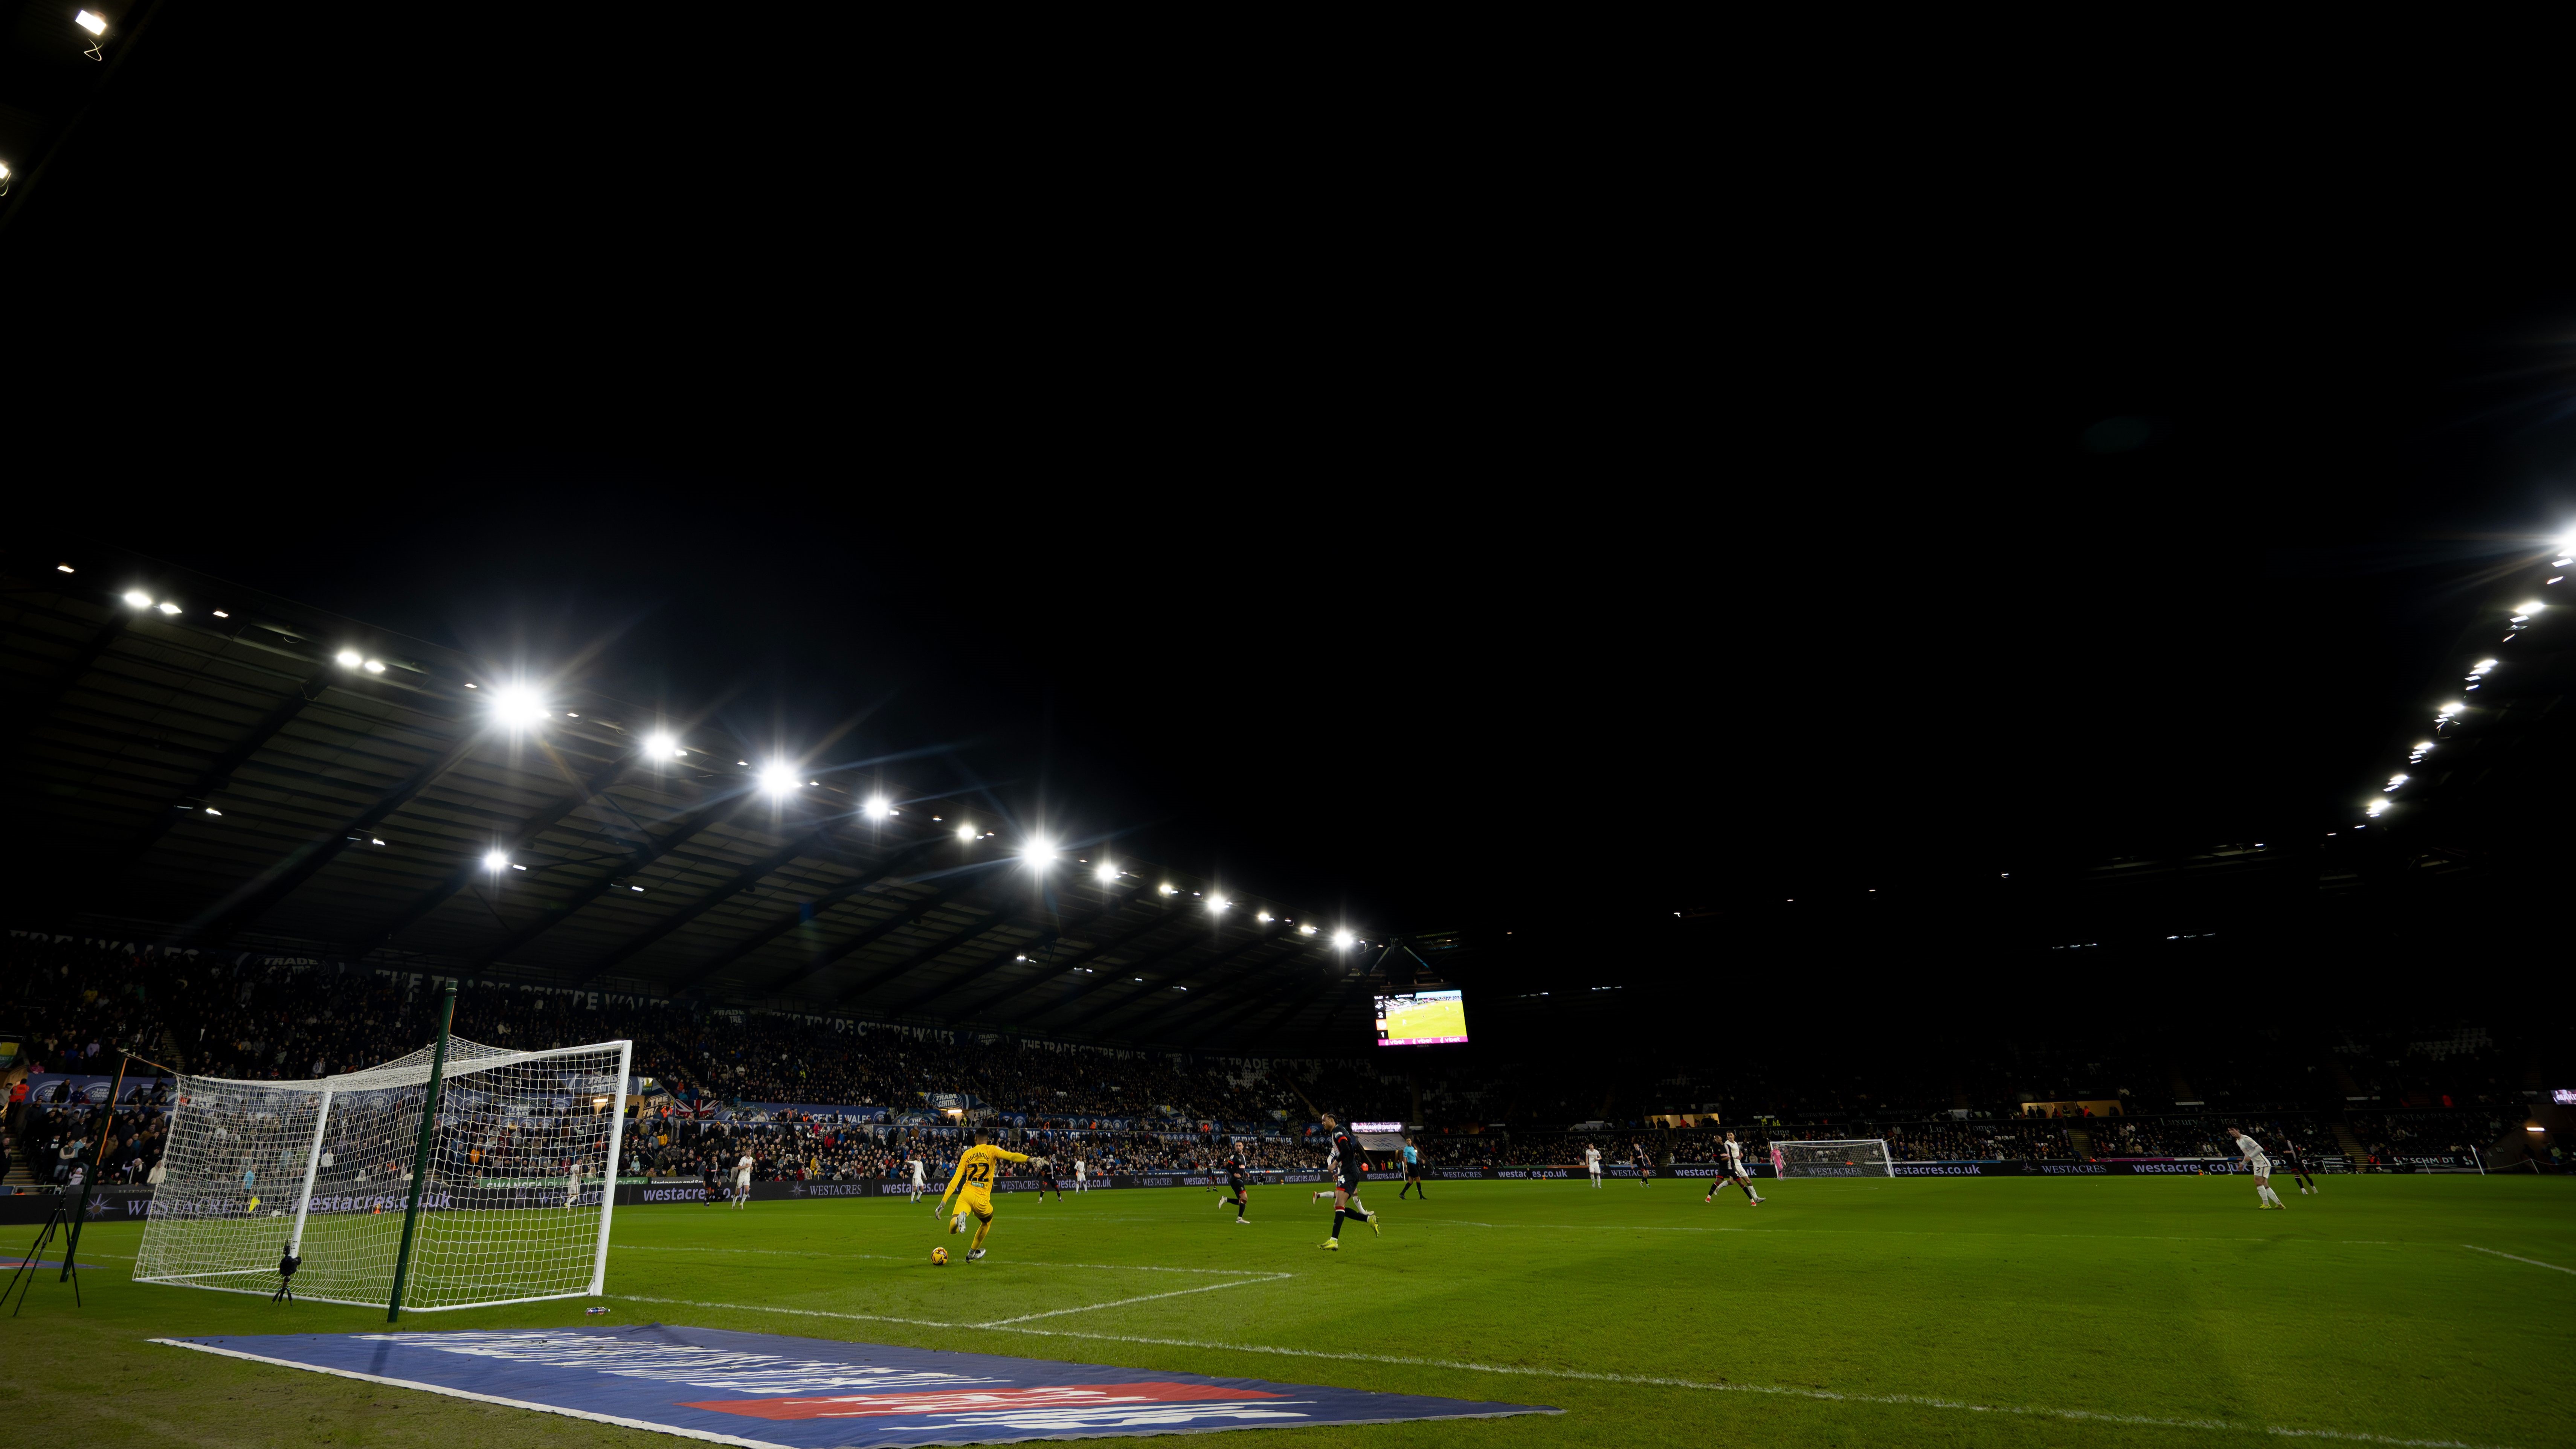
[{"x": 230, "y": 769}]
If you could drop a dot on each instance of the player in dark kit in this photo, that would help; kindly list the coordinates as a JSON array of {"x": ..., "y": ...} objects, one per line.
[
  {"x": 1645, "y": 1166},
  {"x": 1047, "y": 1180},
  {"x": 2297, "y": 1158},
  {"x": 716, "y": 1194},
  {"x": 1350, "y": 1166},
  {"x": 1238, "y": 1178}
]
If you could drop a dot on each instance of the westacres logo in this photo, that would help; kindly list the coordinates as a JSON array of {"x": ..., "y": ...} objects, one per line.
[
  {"x": 831, "y": 1189},
  {"x": 694, "y": 1192},
  {"x": 2073, "y": 1169},
  {"x": 1937, "y": 1169}
]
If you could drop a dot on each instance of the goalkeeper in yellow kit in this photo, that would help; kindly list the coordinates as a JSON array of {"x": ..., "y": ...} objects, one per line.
[{"x": 972, "y": 1185}]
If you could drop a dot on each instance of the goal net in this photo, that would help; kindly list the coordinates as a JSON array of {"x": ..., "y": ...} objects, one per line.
[
  {"x": 521, "y": 1185},
  {"x": 1859, "y": 1157}
]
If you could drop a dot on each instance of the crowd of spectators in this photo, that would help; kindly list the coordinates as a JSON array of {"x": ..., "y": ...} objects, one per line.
[{"x": 71, "y": 1004}]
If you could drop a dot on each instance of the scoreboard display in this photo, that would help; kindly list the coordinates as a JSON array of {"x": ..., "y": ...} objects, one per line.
[{"x": 1422, "y": 1018}]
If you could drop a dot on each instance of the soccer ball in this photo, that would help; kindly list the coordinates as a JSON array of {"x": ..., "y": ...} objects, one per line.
[{"x": 939, "y": 1257}]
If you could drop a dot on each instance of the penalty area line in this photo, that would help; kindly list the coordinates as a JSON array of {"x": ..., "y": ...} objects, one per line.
[
  {"x": 892, "y": 1258},
  {"x": 1913, "y": 1401},
  {"x": 2517, "y": 1257},
  {"x": 1142, "y": 1298}
]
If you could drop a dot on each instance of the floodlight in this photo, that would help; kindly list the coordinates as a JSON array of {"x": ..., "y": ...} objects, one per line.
[
  {"x": 1040, "y": 853},
  {"x": 220, "y": 614},
  {"x": 1105, "y": 873},
  {"x": 495, "y": 861},
  {"x": 58, "y": 568},
  {"x": 877, "y": 808},
  {"x": 663, "y": 747},
  {"x": 779, "y": 779},
  {"x": 2530, "y": 606},
  {"x": 211, "y": 810},
  {"x": 138, "y": 598},
  {"x": 348, "y": 659},
  {"x": 94, "y": 23},
  {"x": 1305, "y": 930},
  {"x": 1343, "y": 940},
  {"x": 1261, "y": 916},
  {"x": 519, "y": 706},
  {"x": 2377, "y": 808},
  {"x": 1167, "y": 889},
  {"x": 1217, "y": 905},
  {"x": 166, "y": 607},
  {"x": 966, "y": 833},
  {"x": 2393, "y": 782},
  {"x": 375, "y": 666},
  {"x": 2448, "y": 710}
]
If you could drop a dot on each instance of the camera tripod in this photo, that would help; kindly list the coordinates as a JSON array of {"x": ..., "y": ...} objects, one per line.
[{"x": 27, "y": 1265}]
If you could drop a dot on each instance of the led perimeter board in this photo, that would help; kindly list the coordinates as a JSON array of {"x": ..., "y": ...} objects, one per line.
[{"x": 1422, "y": 1018}]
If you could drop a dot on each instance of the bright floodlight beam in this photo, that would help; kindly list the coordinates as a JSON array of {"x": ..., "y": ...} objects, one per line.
[
  {"x": 517, "y": 706},
  {"x": 1344, "y": 940},
  {"x": 1040, "y": 853},
  {"x": 1105, "y": 873},
  {"x": 496, "y": 862},
  {"x": 663, "y": 747},
  {"x": 95, "y": 24},
  {"x": 966, "y": 833},
  {"x": 877, "y": 808},
  {"x": 780, "y": 779},
  {"x": 138, "y": 598}
]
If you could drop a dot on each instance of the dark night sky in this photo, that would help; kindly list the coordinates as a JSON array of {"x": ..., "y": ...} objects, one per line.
[{"x": 1459, "y": 534}]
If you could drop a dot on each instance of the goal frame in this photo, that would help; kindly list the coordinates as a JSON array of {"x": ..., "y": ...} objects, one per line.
[
  {"x": 328, "y": 1087},
  {"x": 1781, "y": 1165}
]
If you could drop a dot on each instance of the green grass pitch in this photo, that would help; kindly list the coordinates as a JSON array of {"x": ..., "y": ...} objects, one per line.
[{"x": 2162, "y": 1312}]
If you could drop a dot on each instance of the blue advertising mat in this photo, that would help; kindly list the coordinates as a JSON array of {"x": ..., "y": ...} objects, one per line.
[{"x": 764, "y": 1390}]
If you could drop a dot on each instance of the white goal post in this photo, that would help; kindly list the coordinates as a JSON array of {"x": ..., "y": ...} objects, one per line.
[
  {"x": 1853, "y": 1157},
  {"x": 516, "y": 1205}
]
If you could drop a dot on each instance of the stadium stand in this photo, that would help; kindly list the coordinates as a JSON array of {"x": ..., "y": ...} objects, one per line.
[{"x": 841, "y": 1099}]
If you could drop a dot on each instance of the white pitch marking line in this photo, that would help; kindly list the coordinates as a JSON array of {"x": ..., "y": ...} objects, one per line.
[
  {"x": 1901, "y": 1400},
  {"x": 1143, "y": 1298},
  {"x": 892, "y": 1258},
  {"x": 2517, "y": 1257},
  {"x": 1878, "y": 1232},
  {"x": 478, "y": 1398}
]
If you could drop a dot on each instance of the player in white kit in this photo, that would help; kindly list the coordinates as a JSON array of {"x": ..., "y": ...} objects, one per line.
[
  {"x": 1733, "y": 1167},
  {"x": 1080, "y": 1180},
  {"x": 2261, "y": 1166},
  {"x": 742, "y": 1182},
  {"x": 918, "y": 1186},
  {"x": 1592, "y": 1162}
]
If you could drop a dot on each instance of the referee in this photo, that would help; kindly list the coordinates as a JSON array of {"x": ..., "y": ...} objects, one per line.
[{"x": 1412, "y": 1172}]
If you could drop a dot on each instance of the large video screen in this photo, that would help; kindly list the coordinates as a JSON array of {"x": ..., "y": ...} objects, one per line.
[{"x": 1422, "y": 1018}]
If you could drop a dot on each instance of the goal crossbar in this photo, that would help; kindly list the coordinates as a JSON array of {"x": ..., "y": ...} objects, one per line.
[
  {"x": 1833, "y": 1157},
  {"x": 515, "y": 1205}
]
